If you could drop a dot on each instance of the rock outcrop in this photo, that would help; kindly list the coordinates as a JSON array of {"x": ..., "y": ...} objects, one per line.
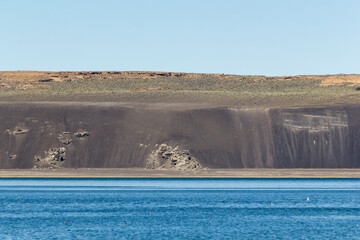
[
  {"x": 53, "y": 158},
  {"x": 168, "y": 157}
]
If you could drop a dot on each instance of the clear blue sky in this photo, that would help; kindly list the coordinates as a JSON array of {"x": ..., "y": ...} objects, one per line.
[{"x": 256, "y": 37}]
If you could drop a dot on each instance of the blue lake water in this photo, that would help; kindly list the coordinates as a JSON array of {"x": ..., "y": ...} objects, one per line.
[{"x": 180, "y": 209}]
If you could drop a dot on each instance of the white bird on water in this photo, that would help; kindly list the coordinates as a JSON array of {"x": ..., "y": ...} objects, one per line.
[{"x": 307, "y": 199}]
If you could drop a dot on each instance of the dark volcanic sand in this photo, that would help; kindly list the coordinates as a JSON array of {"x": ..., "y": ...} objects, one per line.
[{"x": 118, "y": 135}]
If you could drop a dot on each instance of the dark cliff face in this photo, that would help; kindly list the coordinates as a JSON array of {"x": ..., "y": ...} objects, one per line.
[
  {"x": 313, "y": 138},
  {"x": 116, "y": 135}
]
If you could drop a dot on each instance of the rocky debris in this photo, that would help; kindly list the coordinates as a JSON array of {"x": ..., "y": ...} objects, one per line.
[
  {"x": 54, "y": 157},
  {"x": 18, "y": 130},
  {"x": 46, "y": 80},
  {"x": 168, "y": 157},
  {"x": 164, "y": 74},
  {"x": 82, "y": 134},
  {"x": 65, "y": 138},
  {"x": 167, "y": 74}
]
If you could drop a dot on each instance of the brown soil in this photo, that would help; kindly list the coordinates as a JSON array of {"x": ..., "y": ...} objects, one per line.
[{"x": 341, "y": 79}]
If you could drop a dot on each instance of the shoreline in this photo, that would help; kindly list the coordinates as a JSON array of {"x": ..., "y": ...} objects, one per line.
[{"x": 135, "y": 173}]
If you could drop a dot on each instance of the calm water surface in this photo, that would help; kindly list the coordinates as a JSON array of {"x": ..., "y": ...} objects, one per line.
[{"x": 178, "y": 209}]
